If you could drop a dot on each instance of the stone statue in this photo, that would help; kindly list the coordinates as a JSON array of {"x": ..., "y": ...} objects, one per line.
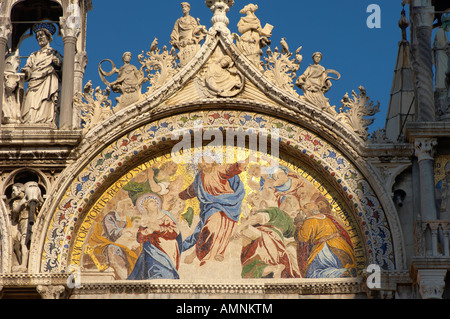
[
  {"x": 128, "y": 83},
  {"x": 186, "y": 35},
  {"x": 441, "y": 63},
  {"x": 254, "y": 38},
  {"x": 24, "y": 204},
  {"x": 443, "y": 194},
  {"x": 315, "y": 82},
  {"x": 43, "y": 73},
  {"x": 13, "y": 91}
]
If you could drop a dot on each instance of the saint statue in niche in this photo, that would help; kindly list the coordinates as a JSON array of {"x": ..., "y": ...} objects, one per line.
[
  {"x": 186, "y": 35},
  {"x": 24, "y": 204},
  {"x": 43, "y": 73}
]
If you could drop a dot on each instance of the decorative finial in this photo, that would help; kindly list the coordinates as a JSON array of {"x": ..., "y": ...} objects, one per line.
[
  {"x": 403, "y": 23},
  {"x": 220, "y": 9}
]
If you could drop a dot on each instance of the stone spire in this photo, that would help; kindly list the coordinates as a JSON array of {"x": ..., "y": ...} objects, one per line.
[{"x": 401, "y": 104}]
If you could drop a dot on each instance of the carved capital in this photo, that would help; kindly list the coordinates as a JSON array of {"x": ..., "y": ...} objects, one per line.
[
  {"x": 5, "y": 28},
  {"x": 425, "y": 148},
  {"x": 50, "y": 292},
  {"x": 424, "y": 17},
  {"x": 69, "y": 29},
  {"x": 81, "y": 61}
]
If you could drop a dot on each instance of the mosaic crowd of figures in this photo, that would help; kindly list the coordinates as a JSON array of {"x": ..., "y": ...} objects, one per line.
[
  {"x": 220, "y": 77},
  {"x": 364, "y": 213},
  {"x": 239, "y": 220}
]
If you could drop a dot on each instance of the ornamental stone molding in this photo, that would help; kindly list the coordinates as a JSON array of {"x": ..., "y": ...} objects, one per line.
[{"x": 313, "y": 288}]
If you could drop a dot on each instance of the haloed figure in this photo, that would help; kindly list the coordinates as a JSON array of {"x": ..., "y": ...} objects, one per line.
[
  {"x": 161, "y": 241},
  {"x": 43, "y": 73}
]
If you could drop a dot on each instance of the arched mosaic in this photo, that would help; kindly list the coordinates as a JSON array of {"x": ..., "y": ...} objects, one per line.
[
  {"x": 74, "y": 234},
  {"x": 259, "y": 223}
]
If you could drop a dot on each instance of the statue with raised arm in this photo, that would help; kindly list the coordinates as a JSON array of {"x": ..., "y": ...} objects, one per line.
[
  {"x": 128, "y": 83},
  {"x": 315, "y": 82},
  {"x": 253, "y": 37},
  {"x": 43, "y": 73},
  {"x": 186, "y": 35}
]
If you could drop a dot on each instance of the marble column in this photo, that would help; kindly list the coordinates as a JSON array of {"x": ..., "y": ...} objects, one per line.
[
  {"x": 5, "y": 32},
  {"x": 424, "y": 151},
  {"x": 81, "y": 61},
  {"x": 423, "y": 26},
  {"x": 70, "y": 34}
]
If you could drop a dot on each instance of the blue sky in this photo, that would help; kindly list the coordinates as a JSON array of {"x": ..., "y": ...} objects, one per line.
[{"x": 338, "y": 29}]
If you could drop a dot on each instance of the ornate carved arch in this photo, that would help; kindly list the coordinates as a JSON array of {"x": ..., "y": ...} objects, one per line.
[{"x": 60, "y": 222}]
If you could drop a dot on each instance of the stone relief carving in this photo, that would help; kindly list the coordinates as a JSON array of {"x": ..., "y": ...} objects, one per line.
[
  {"x": 97, "y": 108},
  {"x": 128, "y": 83},
  {"x": 379, "y": 137},
  {"x": 315, "y": 82},
  {"x": 220, "y": 78},
  {"x": 159, "y": 66},
  {"x": 24, "y": 204},
  {"x": 355, "y": 112},
  {"x": 186, "y": 35},
  {"x": 253, "y": 37},
  {"x": 280, "y": 68},
  {"x": 13, "y": 93},
  {"x": 43, "y": 74}
]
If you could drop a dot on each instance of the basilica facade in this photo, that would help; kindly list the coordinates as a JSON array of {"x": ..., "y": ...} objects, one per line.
[{"x": 220, "y": 170}]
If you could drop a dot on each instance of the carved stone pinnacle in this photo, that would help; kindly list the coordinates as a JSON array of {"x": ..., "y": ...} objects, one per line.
[{"x": 220, "y": 8}]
